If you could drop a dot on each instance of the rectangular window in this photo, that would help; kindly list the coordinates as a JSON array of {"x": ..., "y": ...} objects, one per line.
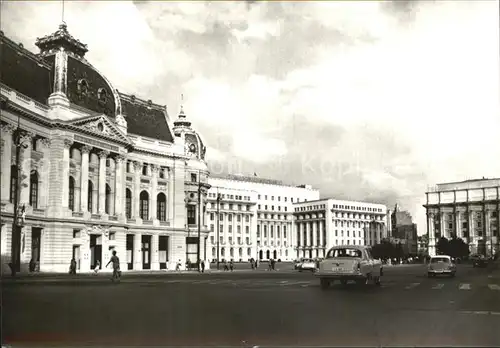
[
  {"x": 230, "y": 228},
  {"x": 238, "y": 229},
  {"x": 212, "y": 215},
  {"x": 238, "y": 218},
  {"x": 221, "y": 228},
  {"x": 128, "y": 206},
  {"x": 193, "y": 177},
  {"x": 191, "y": 214},
  {"x": 247, "y": 229},
  {"x": 211, "y": 227},
  {"x": 229, "y": 217}
]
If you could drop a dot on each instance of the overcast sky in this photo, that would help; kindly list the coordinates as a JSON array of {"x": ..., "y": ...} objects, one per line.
[{"x": 363, "y": 100}]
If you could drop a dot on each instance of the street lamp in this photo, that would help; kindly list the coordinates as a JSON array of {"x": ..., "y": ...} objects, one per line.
[
  {"x": 198, "y": 251},
  {"x": 218, "y": 227},
  {"x": 18, "y": 222}
]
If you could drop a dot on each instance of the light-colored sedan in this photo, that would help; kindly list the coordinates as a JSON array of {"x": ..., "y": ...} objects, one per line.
[
  {"x": 441, "y": 264},
  {"x": 307, "y": 265},
  {"x": 349, "y": 262}
]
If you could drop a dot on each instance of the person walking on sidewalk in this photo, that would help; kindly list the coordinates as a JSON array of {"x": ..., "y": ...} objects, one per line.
[
  {"x": 231, "y": 265},
  {"x": 116, "y": 266},
  {"x": 202, "y": 266},
  {"x": 97, "y": 267},
  {"x": 72, "y": 266}
]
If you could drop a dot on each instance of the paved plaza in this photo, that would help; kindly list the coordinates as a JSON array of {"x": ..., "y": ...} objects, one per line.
[{"x": 254, "y": 308}]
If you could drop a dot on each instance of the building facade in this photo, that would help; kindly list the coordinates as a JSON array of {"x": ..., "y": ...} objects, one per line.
[
  {"x": 255, "y": 217},
  {"x": 404, "y": 231},
  {"x": 99, "y": 170},
  {"x": 469, "y": 210},
  {"x": 322, "y": 224}
]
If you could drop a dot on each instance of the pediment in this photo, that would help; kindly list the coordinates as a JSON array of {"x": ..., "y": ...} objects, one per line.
[{"x": 101, "y": 125}]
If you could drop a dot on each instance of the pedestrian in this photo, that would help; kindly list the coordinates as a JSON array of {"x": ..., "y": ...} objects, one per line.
[
  {"x": 270, "y": 265},
  {"x": 226, "y": 268},
  {"x": 202, "y": 266},
  {"x": 178, "y": 266},
  {"x": 32, "y": 265},
  {"x": 97, "y": 267},
  {"x": 116, "y": 266},
  {"x": 72, "y": 266},
  {"x": 273, "y": 264},
  {"x": 231, "y": 265}
]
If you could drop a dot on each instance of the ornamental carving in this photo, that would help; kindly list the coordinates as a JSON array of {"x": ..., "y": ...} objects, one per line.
[
  {"x": 45, "y": 142},
  {"x": 8, "y": 128},
  {"x": 68, "y": 143},
  {"x": 86, "y": 149},
  {"x": 103, "y": 154},
  {"x": 120, "y": 159},
  {"x": 96, "y": 229},
  {"x": 99, "y": 127},
  {"x": 137, "y": 165},
  {"x": 154, "y": 168}
]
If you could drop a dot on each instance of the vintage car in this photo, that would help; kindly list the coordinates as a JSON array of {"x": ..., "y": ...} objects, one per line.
[
  {"x": 349, "y": 262},
  {"x": 307, "y": 265},
  {"x": 441, "y": 264}
]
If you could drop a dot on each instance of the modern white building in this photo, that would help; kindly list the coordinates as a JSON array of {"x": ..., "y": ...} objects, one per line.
[
  {"x": 469, "y": 210},
  {"x": 255, "y": 217},
  {"x": 321, "y": 224}
]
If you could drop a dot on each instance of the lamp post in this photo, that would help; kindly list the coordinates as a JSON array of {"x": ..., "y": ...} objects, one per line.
[
  {"x": 18, "y": 222},
  {"x": 218, "y": 227},
  {"x": 198, "y": 249}
]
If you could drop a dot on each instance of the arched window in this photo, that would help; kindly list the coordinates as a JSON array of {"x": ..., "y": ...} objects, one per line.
[
  {"x": 71, "y": 197},
  {"x": 144, "y": 205},
  {"x": 240, "y": 252},
  {"x": 128, "y": 203},
  {"x": 213, "y": 253},
  {"x": 231, "y": 252},
  {"x": 13, "y": 181},
  {"x": 222, "y": 251},
  {"x": 249, "y": 251},
  {"x": 89, "y": 196},
  {"x": 34, "y": 189},
  {"x": 107, "y": 203},
  {"x": 161, "y": 207}
]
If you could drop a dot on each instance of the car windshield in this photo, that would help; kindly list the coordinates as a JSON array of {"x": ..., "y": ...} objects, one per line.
[
  {"x": 440, "y": 259},
  {"x": 343, "y": 252}
]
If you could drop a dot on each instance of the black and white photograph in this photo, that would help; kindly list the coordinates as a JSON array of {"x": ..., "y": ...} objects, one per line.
[{"x": 250, "y": 173}]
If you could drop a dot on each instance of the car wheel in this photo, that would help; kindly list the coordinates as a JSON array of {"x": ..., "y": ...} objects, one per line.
[{"x": 325, "y": 283}]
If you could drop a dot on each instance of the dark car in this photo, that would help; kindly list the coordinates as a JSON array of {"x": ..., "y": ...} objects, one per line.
[{"x": 480, "y": 262}]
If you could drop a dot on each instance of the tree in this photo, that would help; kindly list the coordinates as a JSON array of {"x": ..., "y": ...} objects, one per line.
[
  {"x": 442, "y": 246},
  {"x": 458, "y": 248}
]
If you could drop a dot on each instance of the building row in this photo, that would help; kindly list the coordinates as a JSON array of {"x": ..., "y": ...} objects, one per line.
[{"x": 94, "y": 170}]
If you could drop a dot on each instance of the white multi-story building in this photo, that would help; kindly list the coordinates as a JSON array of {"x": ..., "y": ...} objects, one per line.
[
  {"x": 255, "y": 217},
  {"x": 324, "y": 223},
  {"x": 469, "y": 210}
]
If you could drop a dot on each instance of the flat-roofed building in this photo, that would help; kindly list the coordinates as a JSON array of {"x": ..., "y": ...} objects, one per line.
[
  {"x": 324, "y": 223},
  {"x": 469, "y": 210}
]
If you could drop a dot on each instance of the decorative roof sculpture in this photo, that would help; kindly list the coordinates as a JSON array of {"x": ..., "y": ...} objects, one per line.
[{"x": 61, "y": 38}]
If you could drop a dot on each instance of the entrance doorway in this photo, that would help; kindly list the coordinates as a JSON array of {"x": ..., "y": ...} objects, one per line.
[
  {"x": 130, "y": 251},
  {"x": 261, "y": 255},
  {"x": 268, "y": 255},
  {"x": 76, "y": 255},
  {"x": 275, "y": 255},
  {"x": 95, "y": 250},
  {"x": 163, "y": 251},
  {"x": 146, "y": 252}
]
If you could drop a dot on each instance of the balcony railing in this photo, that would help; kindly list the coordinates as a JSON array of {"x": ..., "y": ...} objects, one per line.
[
  {"x": 38, "y": 211},
  {"x": 95, "y": 216},
  {"x": 113, "y": 218},
  {"x": 147, "y": 222},
  {"x": 77, "y": 214},
  {"x": 164, "y": 223}
]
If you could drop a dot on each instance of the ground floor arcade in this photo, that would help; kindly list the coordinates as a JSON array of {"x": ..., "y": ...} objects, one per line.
[{"x": 52, "y": 246}]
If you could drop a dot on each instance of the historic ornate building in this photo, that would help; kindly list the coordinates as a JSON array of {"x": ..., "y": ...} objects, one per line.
[
  {"x": 469, "y": 210},
  {"x": 324, "y": 223},
  {"x": 100, "y": 170},
  {"x": 255, "y": 217}
]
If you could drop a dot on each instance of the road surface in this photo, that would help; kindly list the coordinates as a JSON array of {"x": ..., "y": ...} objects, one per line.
[{"x": 249, "y": 309}]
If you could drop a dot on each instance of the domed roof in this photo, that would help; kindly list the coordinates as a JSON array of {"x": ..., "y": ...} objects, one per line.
[{"x": 194, "y": 145}]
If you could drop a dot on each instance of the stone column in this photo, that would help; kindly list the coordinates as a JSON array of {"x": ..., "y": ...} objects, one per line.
[
  {"x": 155, "y": 259},
  {"x": 302, "y": 234},
  {"x": 119, "y": 186},
  {"x": 170, "y": 199},
  {"x": 314, "y": 234},
  {"x": 321, "y": 238},
  {"x": 25, "y": 163},
  {"x": 7, "y": 144},
  {"x": 84, "y": 180},
  {"x": 458, "y": 228},
  {"x": 307, "y": 241},
  {"x": 102, "y": 181},
  {"x": 137, "y": 189},
  {"x": 78, "y": 192},
  {"x": 154, "y": 189},
  {"x": 44, "y": 168},
  {"x": 65, "y": 177},
  {"x": 137, "y": 252}
]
